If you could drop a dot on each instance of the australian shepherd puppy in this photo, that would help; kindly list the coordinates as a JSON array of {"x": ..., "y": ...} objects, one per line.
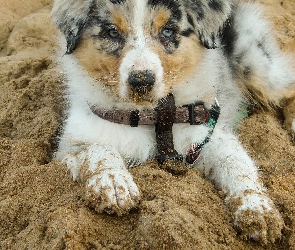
[{"x": 126, "y": 58}]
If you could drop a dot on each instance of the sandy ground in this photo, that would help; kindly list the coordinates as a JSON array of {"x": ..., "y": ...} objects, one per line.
[{"x": 42, "y": 208}]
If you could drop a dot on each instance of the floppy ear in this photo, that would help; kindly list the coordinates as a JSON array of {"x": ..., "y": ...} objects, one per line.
[
  {"x": 208, "y": 18},
  {"x": 70, "y": 17}
]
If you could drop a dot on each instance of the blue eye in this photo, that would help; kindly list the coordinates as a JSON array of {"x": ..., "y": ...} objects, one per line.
[
  {"x": 168, "y": 32},
  {"x": 113, "y": 33}
]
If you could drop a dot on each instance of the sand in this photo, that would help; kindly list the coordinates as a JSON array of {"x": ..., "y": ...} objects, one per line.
[{"x": 42, "y": 208}]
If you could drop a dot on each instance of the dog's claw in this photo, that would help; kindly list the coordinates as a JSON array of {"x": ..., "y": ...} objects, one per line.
[
  {"x": 256, "y": 237},
  {"x": 109, "y": 210}
]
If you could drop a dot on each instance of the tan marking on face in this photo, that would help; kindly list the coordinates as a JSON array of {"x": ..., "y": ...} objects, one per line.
[
  {"x": 99, "y": 65},
  {"x": 182, "y": 63},
  {"x": 160, "y": 19},
  {"x": 120, "y": 22}
]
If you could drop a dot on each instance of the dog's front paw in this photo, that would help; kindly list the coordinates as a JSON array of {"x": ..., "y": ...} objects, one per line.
[
  {"x": 256, "y": 218},
  {"x": 112, "y": 191}
]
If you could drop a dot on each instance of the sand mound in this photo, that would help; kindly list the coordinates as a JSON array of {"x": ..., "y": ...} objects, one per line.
[{"x": 42, "y": 208}]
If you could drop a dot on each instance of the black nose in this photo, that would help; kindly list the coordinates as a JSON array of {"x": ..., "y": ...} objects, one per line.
[{"x": 141, "y": 81}]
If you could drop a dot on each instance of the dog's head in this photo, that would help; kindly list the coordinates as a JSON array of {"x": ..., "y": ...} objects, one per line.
[{"x": 140, "y": 49}]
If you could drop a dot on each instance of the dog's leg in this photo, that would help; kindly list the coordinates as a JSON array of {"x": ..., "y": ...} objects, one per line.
[
  {"x": 109, "y": 186},
  {"x": 228, "y": 165},
  {"x": 265, "y": 73}
]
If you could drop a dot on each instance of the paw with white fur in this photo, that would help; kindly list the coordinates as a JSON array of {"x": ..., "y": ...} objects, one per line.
[
  {"x": 112, "y": 191},
  {"x": 256, "y": 217},
  {"x": 109, "y": 187}
]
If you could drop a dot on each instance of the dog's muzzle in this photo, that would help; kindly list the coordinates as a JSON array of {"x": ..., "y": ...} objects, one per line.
[{"x": 141, "y": 81}]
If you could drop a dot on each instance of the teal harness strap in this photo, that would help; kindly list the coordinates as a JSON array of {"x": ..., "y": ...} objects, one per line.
[{"x": 194, "y": 152}]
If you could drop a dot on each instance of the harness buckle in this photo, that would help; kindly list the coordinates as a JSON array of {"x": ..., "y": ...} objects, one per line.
[{"x": 191, "y": 113}]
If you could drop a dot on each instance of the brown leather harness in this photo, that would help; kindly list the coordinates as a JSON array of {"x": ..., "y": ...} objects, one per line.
[{"x": 163, "y": 117}]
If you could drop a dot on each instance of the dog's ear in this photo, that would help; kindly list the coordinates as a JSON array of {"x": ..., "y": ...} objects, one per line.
[
  {"x": 70, "y": 17},
  {"x": 208, "y": 18}
]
